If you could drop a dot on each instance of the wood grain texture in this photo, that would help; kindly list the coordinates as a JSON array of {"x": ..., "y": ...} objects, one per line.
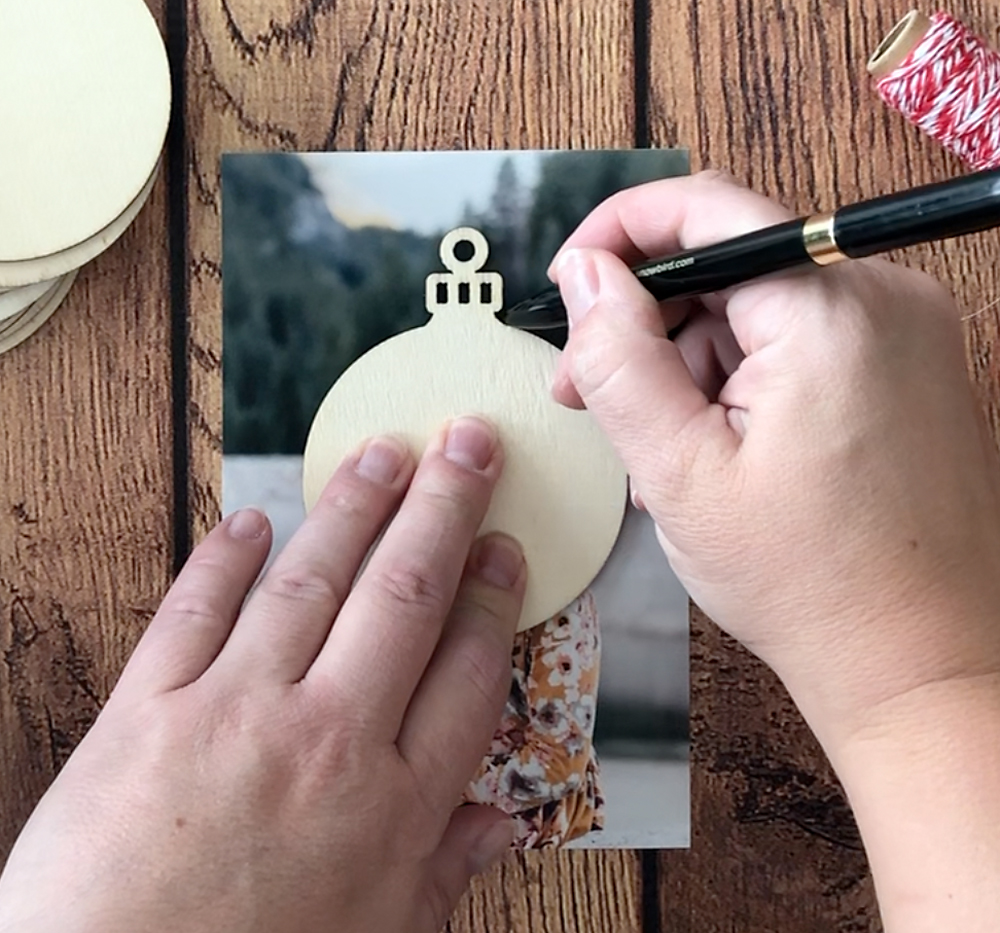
[
  {"x": 778, "y": 94},
  {"x": 402, "y": 74},
  {"x": 86, "y": 493}
]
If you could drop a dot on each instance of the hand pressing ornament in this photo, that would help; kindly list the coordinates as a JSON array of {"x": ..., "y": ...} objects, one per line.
[{"x": 562, "y": 492}]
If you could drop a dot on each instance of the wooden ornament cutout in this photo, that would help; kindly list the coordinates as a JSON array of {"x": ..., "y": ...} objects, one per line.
[
  {"x": 84, "y": 106},
  {"x": 563, "y": 489}
]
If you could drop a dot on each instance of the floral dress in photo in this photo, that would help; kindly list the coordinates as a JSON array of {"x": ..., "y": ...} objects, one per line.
[{"x": 541, "y": 767}]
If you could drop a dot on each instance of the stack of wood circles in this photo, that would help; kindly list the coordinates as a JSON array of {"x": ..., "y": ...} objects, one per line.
[{"x": 84, "y": 108}]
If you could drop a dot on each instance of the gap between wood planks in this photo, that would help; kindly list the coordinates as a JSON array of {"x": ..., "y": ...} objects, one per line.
[
  {"x": 640, "y": 70},
  {"x": 176, "y": 39}
]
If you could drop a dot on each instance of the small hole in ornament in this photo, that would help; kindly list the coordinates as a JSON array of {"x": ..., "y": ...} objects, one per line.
[
  {"x": 486, "y": 294},
  {"x": 463, "y": 293},
  {"x": 464, "y": 250},
  {"x": 442, "y": 293}
]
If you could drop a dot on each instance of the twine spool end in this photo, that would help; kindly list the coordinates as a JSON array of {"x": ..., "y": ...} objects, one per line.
[{"x": 903, "y": 39}]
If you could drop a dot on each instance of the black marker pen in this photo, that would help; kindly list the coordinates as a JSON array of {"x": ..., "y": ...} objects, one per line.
[{"x": 932, "y": 212}]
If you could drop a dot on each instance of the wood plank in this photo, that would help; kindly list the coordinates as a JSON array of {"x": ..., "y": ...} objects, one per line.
[
  {"x": 410, "y": 74},
  {"x": 778, "y": 94},
  {"x": 86, "y": 494}
]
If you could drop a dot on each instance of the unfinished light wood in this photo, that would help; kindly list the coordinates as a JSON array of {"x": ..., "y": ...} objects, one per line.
[
  {"x": 773, "y": 843},
  {"x": 29, "y": 271},
  {"x": 84, "y": 105},
  {"x": 562, "y": 491},
  {"x": 9, "y": 324},
  {"x": 16, "y": 300},
  {"x": 426, "y": 74},
  {"x": 15, "y": 331}
]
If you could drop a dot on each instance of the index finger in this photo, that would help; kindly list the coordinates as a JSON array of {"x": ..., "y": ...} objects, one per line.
[{"x": 673, "y": 214}]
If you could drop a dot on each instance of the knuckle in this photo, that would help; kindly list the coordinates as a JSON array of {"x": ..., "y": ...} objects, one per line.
[
  {"x": 485, "y": 665},
  {"x": 337, "y": 746},
  {"x": 344, "y": 504},
  {"x": 452, "y": 500},
  {"x": 204, "y": 566},
  {"x": 193, "y": 610},
  {"x": 301, "y": 585},
  {"x": 409, "y": 586},
  {"x": 713, "y": 177},
  {"x": 692, "y": 461},
  {"x": 483, "y": 623},
  {"x": 453, "y": 495},
  {"x": 598, "y": 362},
  {"x": 492, "y": 608}
]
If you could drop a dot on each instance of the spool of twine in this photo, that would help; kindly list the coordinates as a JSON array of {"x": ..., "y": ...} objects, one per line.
[{"x": 945, "y": 80}]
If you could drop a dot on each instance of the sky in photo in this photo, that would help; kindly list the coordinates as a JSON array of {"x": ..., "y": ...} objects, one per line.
[{"x": 421, "y": 191}]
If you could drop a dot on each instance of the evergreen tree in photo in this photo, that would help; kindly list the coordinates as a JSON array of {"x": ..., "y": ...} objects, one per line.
[
  {"x": 572, "y": 184},
  {"x": 304, "y": 294},
  {"x": 303, "y": 297}
]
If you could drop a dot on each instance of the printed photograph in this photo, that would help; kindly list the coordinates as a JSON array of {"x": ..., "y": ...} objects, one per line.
[{"x": 325, "y": 256}]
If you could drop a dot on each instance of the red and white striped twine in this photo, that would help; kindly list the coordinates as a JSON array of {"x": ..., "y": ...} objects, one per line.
[{"x": 949, "y": 87}]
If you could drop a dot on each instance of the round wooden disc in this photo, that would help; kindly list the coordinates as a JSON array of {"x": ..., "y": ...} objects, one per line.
[
  {"x": 16, "y": 300},
  {"x": 31, "y": 271},
  {"x": 18, "y": 329},
  {"x": 84, "y": 107},
  {"x": 16, "y": 321},
  {"x": 563, "y": 489}
]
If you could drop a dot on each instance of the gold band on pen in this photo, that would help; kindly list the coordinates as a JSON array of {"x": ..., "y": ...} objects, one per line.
[{"x": 819, "y": 240}]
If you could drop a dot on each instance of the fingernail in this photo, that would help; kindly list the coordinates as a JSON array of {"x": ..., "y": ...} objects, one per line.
[
  {"x": 492, "y": 846},
  {"x": 739, "y": 420},
  {"x": 382, "y": 460},
  {"x": 636, "y": 498},
  {"x": 500, "y": 561},
  {"x": 550, "y": 272},
  {"x": 578, "y": 283},
  {"x": 471, "y": 443},
  {"x": 247, "y": 524}
]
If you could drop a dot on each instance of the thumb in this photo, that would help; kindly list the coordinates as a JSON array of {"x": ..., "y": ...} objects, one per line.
[
  {"x": 632, "y": 379},
  {"x": 477, "y": 838}
]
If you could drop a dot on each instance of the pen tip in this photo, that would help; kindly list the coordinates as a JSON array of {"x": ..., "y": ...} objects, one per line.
[{"x": 524, "y": 313}]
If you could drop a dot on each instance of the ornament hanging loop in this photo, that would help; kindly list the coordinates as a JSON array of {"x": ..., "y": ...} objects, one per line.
[{"x": 464, "y": 286}]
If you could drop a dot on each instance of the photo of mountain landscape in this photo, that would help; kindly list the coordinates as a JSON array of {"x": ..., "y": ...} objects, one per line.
[
  {"x": 307, "y": 290},
  {"x": 325, "y": 255}
]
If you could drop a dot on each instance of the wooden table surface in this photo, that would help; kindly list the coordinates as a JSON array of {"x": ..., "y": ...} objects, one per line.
[{"x": 111, "y": 416}]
